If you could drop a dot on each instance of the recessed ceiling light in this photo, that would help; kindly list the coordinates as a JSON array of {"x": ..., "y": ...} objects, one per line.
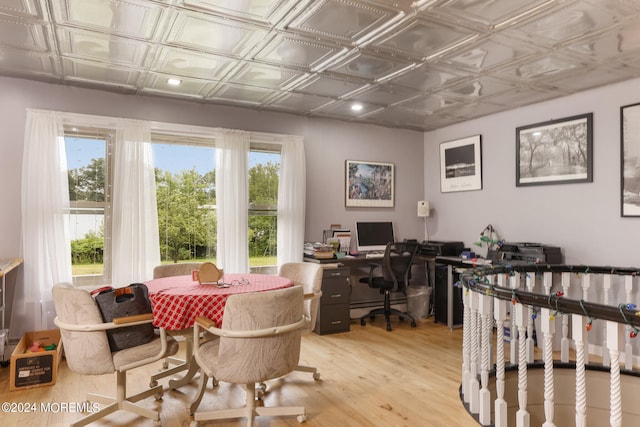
[
  {"x": 174, "y": 82},
  {"x": 357, "y": 107}
]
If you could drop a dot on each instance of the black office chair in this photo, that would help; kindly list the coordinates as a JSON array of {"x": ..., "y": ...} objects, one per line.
[{"x": 396, "y": 272}]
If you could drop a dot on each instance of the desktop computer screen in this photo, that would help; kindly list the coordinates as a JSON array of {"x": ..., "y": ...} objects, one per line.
[{"x": 373, "y": 235}]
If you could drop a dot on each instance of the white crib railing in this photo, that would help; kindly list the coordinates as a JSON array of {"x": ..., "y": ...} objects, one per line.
[{"x": 577, "y": 301}]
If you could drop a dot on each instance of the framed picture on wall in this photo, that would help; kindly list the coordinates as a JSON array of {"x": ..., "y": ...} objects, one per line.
[
  {"x": 369, "y": 184},
  {"x": 630, "y": 160},
  {"x": 555, "y": 152},
  {"x": 461, "y": 164}
]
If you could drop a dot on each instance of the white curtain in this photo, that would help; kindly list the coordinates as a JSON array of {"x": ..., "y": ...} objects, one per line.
[
  {"x": 232, "y": 195},
  {"x": 135, "y": 242},
  {"x": 291, "y": 200},
  {"x": 45, "y": 234}
]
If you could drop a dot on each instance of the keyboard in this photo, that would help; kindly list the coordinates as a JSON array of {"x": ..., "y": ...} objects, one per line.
[{"x": 374, "y": 255}]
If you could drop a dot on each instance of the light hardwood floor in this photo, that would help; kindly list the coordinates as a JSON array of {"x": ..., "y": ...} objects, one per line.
[{"x": 369, "y": 377}]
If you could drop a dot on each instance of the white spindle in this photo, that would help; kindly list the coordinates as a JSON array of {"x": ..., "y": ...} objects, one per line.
[
  {"x": 530, "y": 284},
  {"x": 547, "y": 284},
  {"x": 586, "y": 284},
  {"x": 466, "y": 345},
  {"x": 564, "y": 344},
  {"x": 606, "y": 292},
  {"x": 522, "y": 415},
  {"x": 628, "y": 350},
  {"x": 474, "y": 385},
  {"x": 486, "y": 327},
  {"x": 500, "y": 314},
  {"x": 548, "y": 325},
  {"x": 615, "y": 402},
  {"x": 514, "y": 282},
  {"x": 578, "y": 333}
]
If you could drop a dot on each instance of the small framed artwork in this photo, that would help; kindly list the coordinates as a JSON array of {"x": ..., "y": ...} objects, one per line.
[
  {"x": 369, "y": 184},
  {"x": 555, "y": 152},
  {"x": 630, "y": 160},
  {"x": 461, "y": 164}
]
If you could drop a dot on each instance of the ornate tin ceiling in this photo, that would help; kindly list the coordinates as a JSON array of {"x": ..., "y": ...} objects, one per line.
[{"x": 410, "y": 64}]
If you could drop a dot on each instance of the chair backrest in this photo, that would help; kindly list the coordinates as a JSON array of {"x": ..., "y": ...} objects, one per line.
[
  {"x": 176, "y": 269},
  {"x": 309, "y": 276},
  {"x": 397, "y": 262},
  {"x": 86, "y": 352},
  {"x": 252, "y": 360}
]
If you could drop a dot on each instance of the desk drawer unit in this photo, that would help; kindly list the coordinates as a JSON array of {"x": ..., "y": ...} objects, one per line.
[{"x": 333, "y": 311}]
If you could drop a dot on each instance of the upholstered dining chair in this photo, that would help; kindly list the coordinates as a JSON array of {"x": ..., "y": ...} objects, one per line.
[
  {"x": 309, "y": 276},
  {"x": 259, "y": 340},
  {"x": 170, "y": 270},
  {"x": 396, "y": 273},
  {"x": 86, "y": 348}
]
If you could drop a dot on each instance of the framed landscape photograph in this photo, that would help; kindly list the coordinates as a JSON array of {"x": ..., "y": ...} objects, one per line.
[
  {"x": 555, "y": 152},
  {"x": 369, "y": 184},
  {"x": 461, "y": 164},
  {"x": 630, "y": 160}
]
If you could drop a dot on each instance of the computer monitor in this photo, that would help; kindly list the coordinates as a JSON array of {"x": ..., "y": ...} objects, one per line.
[{"x": 373, "y": 235}]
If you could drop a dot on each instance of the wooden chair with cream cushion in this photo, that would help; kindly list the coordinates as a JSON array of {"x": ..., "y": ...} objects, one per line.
[
  {"x": 170, "y": 270},
  {"x": 309, "y": 276},
  {"x": 87, "y": 351},
  {"x": 259, "y": 340}
]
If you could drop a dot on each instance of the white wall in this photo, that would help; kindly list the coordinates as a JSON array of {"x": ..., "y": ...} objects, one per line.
[
  {"x": 328, "y": 143},
  {"x": 583, "y": 219}
]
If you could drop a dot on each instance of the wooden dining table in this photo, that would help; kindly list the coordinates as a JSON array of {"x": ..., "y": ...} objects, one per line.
[{"x": 176, "y": 301}]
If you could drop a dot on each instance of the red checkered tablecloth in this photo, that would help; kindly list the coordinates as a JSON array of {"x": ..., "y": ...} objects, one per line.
[{"x": 177, "y": 301}]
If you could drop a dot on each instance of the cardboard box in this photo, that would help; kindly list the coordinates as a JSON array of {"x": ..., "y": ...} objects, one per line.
[{"x": 35, "y": 369}]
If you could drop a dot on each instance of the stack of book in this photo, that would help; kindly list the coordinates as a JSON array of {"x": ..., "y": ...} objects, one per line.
[{"x": 318, "y": 250}]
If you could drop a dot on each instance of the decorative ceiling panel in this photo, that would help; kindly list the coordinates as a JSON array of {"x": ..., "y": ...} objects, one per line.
[
  {"x": 297, "y": 51},
  {"x": 183, "y": 62},
  {"x": 190, "y": 87},
  {"x": 263, "y": 11},
  {"x": 101, "y": 47},
  {"x": 343, "y": 20},
  {"x": 213, "y": 34},
  {"x": 97, "y": 73},
  {"x": 23, "y": 34},
  {"x": 421, "y": 38},
  {"x": 414, "y": 64},
  {"x": 27, "y": 62},
  {"x": 486, "y": 54},
  {"x": 22, "y": 8},
  {"x": 240, "y": 94},
  {"x": 131, "y": 18},
  {"x": 371, "y": 66},
  {"x": 299, "y": 103}
]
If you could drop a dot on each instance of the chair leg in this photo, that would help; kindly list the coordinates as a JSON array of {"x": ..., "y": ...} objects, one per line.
[
  {"x": 310, "y": 369},
  {"x": 121, "y": 402}
]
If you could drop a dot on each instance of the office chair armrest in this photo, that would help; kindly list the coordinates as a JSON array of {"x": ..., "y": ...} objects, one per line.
[
  {"x": 313, "y": 295},
  {"x": 122, "y": 322},
  {"x": 209, "y": 326},
  {"x": 133, "y": 318}
]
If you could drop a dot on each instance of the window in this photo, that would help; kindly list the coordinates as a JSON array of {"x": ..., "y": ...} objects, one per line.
[
  {"x": 88, "y": 164},
  {"x": 186, "y": 198}
]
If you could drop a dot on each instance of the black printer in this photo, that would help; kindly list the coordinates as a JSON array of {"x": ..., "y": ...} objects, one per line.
[
  {"x": 525, "y": 253},
  {"x": 440, "y": 248}
]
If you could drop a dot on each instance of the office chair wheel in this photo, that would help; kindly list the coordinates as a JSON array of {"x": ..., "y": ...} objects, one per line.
[
  {"x": 363, "y": 322},
  {"x": 153, "y": 384},
  {"x": 316, "y": 376},
  {"x": 401, "y": 318},
  {"x": 165, "y": 364},
  {"x": 413, "y": 324},
  {"x": 301, "y": 418},
  {"x": 158, "y": 396}
]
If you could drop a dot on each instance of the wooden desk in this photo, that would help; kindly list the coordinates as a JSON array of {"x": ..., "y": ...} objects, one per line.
[
  {"x": 6, "y": 266},
  {"x": 362, "y": 296}
]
